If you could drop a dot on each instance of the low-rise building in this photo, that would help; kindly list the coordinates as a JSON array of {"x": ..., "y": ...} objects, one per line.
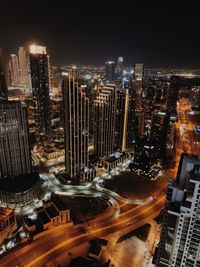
[
  {"x": 8, "y": 223},
  {"x": 53, "y": 213}
]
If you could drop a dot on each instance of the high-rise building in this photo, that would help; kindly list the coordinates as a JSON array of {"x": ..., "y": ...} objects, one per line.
[
  {"x": 137, "y": 84},
  {"x": 15, "y": 157},
  {"x": 138, "y": 71},
  {"x": 195, "y": 98},
  {"x": 172, "y": 94},
  {"x": 110, "y": 71},
  {"x": 75, "y": 72},
  {"x": 40, "y": 80},
  {"x": 76, "y": 125},
  {"x": 23, "y": 66},
  {"x": 13, "y": 71},
  {"x": 18, "y": 70},
  {"x": 3, "y": 85},
  {"x": 180, "y": 235},
  {"x": 139, "y": 114},
  {"x": 159, "y": 131},
  {"x": 104, "y": 122},
  {"x": 120, "y": 67},
  {"x": 124, "y": 128}
]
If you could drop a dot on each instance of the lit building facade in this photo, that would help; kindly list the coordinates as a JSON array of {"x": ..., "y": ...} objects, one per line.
[
  {"x": 179, "y": 244},
  {"x": 137, "y": 84},
  {"x": 124, "y": 128},
  {"x": 23, "y": 67},
  {"x": 13, "y": 71},
  {"x": 104, "y": 121},
  {"x": 40, "y": 80},
  {"x": 76, "y": 124},
  {"x": 15, "y": 157},
  {"x": 195, "y": 98}
]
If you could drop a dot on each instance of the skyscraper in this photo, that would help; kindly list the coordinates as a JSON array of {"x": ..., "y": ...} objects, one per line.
[
  {"x": 119, "y": 68},
  {"x": 110, "y": 71},
  {"x": 15, "y": 157},
  {"x": 3, "y": 86},
  {"x": 124, "y": 128},
  {"x": 18, "y": 70},
  {"x": 159, "y": 131},
  {"x": 13, "y": 71},
  {"x": 23, "y": 66},
  {"x": 179, "y": 243},
  {"x": 40, "y": 80},
  {"x": 138, "y": 71},
  {"x": 137, "y": 84},
  {"x": 172, "y": 93},
  {"x": 76, "y": 124},
  {"x": 104, "y": 122}
]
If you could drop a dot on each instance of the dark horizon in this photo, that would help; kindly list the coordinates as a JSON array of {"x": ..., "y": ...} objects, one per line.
[{"x": 159, "y": 35}]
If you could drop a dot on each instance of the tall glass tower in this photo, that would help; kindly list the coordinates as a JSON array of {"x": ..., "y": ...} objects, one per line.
[{"x": 40, "y": 80}]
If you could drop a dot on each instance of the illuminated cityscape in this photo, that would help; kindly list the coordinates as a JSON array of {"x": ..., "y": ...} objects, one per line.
[{"x": 99, "y": 135}]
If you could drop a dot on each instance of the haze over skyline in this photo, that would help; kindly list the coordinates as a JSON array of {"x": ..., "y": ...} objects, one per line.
[{"x": 160, "y": 35}]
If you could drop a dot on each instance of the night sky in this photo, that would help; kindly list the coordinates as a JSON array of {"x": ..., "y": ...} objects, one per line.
[{"x": 159, "y": 35}]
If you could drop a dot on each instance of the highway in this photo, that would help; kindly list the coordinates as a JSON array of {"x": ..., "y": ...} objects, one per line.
[{"x": 123, "y": 217}]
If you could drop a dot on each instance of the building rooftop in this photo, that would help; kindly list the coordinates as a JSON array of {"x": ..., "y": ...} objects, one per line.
[
  {"x": 42, "y": 215},
  {"x": 95, "y": 249},
  {"x": 58, "y": 203},
  {"x": 52, "y": 212}
]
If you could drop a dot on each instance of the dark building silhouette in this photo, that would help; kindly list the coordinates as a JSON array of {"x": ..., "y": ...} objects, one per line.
[
  {"x": 172, "y": 94},
  {"x": 15, "y": 156},
  {"x": 110, "y": 71},
  {"x": 3, "y": 85},
  {"x": 40, "y": 80}
]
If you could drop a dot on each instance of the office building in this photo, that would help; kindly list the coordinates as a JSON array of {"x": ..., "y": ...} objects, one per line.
[
  {"x": 40, "y": 81},
  {"x": 159, "y": 131},
  {"x": 179, "y": 243},
  {"x": 110, "y": 71},
  {"x": 124, "y": 128},
  {"x": 15, "y": 157},
  {"x": 139, "y": 116},
  {"x": 172, "y": 94},
  {"x": 8, "y": 223},
  {"x": 18, "y": 70},
  {"x": 19, "y": 186},
  {"x": 13, "y": 71},
  {"x": 23, "y": 67},
  {"x": 75, "y": 73},
  {"x": 76, "y": 125},
  {"x": 3, "y": 85},
  {"x": 195, "y": 98},
  {"x": 104, "y": 121},
  {"x": 137, "y": 84},
  {"x": 120, "y": 67}
]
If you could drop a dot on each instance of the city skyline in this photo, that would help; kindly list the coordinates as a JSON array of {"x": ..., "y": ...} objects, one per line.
[
  {"x": 99, "y": 134},
  {"x": 152, "y": 34}
]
